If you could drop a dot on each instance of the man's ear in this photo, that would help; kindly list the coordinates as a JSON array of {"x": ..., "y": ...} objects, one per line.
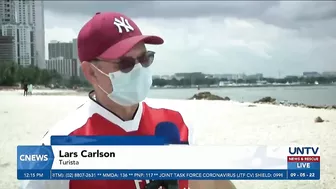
[{"x": 89, "y": 73}]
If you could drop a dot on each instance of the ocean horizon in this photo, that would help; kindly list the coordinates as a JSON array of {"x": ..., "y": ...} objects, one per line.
[
  {"x": 316, "y": 95},
  {"x": 310, "y": 95}
]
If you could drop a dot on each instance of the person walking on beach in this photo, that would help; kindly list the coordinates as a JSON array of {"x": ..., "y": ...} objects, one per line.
[
  {"x": 25, "y": 89},
  {"x": 30, "y": 89},
  {"x": 116, "y": 62}
]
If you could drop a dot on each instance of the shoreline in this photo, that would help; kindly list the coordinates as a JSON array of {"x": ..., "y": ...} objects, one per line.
[
  {"x": 245, "y": 86},
  {"x": 4, "y": 88},
  {"x": 269, "y": 100}
]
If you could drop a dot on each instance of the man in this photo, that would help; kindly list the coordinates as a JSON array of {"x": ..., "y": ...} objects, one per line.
[
  {"x": 115, "y": 61},
  {"x": 25, "y": 89}
]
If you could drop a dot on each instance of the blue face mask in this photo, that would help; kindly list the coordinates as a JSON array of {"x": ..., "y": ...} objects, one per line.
[{"x": 130, "y": 88}]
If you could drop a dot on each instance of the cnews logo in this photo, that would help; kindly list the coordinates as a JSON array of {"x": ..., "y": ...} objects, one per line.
[{"x": 33, "y": 157}]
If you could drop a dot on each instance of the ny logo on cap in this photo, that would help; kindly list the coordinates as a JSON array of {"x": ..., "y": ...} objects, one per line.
[{"x": 123, "y": 23}]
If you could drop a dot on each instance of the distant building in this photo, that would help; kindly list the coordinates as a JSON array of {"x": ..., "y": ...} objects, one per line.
[
  {"x": 24, "y": 21},
  {"x": 192, "y": 75},
  {"x": 66, "y": 54},
  {"x": 60, "y": 49},
  {"x": 74, "y": 49},
  {"x": 290, "y": 77},
  {"x": 39, "y": 32},
  {"x": 209, "y": 76},
  {"x": 311, "y": 74},
  {"x": 222, "y": 76},
  {"x": 24, "y": 48},
  {"x": 257, "y": 76},
  {"x": 6, "y": 48},
  {"x": 166, "y": 77},
  {"x": 329, "y": 74},
  {"x": 65, "y": 67},
  {"x": 75, "y": 56},
  {"x": 156, "y": 77},
  {"x": 238, "y": 76},
  {"x": 7, "y": 12}
]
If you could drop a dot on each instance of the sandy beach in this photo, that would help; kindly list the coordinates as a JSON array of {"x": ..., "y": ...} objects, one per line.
[{"x": 24, "y": 120}]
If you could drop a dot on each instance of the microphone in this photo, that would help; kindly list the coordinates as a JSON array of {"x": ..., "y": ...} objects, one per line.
[
  {"x": 166, "y": 184},
  {"x": 171, "y": 134}
]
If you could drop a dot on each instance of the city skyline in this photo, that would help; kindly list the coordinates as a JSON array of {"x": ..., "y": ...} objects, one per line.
[
  {"x": 63, "y": 58},
  {"x": 23, "y": 21},
  {"x": 269, "y": 37},
  {"x": 327, "y": 74}
]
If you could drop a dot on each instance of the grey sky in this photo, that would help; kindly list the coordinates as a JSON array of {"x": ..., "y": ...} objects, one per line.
[{"x": 267, "y": 36}]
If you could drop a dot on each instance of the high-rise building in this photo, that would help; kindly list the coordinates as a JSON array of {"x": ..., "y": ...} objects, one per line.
[
  {"x": 311, "y": 74},
  {"x": 39, "y": 34},
  {"x": 74, "y": 49},
  {"x": 60, "y": 49},
  {"x": 329, "y": 74},
  {"x": 6, "y": 49},
  {"x": 7, "y": 16},
  {"x": 65, "y": 67},
  {"x": 24, "y": 20},
  {"x": 7, "y": 12},
  {"x": 75, "y": 57},
  {"x": 23, "y": 43},
  {"x": 63, "y": 57}
]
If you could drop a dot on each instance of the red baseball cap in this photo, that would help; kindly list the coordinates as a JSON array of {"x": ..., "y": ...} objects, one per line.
[{"x": 109, "y": 36}]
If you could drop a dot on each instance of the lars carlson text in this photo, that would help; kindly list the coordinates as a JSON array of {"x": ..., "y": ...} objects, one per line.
[{"x": 84, "y": 154}]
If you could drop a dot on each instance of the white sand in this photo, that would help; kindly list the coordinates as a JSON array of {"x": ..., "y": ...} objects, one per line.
[{"x": 24, "y": 120}]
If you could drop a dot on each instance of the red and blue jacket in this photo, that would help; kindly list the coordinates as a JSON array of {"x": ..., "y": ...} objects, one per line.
[{"x": 92, "y": 119}]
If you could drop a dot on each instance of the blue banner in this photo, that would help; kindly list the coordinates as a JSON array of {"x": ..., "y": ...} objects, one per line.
[
  {"x": 34, "y": 157},
  {"x": 107, "y": 140},
  {"x": 36, "y": 163},
  {"x": 161, "y": 175},
  {"x": 304, "y": 174},
  {"x": 303, "y": 165},
  {"x": 167, "y": 175}
]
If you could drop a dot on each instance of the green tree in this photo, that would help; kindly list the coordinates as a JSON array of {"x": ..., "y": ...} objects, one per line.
[
  {"x": 12, "y": 74},
  {"x": 44, "y": 78},
  {"x": 8, "y": 74}
]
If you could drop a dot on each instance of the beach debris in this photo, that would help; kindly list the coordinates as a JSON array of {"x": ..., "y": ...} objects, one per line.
[
  {"x": 295, "y": 142},
  {"x": 3, "y": 165},
  {"x": 267, "y": 99},
  {"x": 207, "y": 96},
  {"x": 252, "y": 105},
  {"x": 270, "y": 100},
  {"x": 227, "y": 98},
  {"x": 318, "y": 119}
]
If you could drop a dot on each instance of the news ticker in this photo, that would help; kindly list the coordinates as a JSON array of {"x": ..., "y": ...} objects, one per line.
[
  {"x": 150, "y": 158},
  {"x": 234, "y": 174}
]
